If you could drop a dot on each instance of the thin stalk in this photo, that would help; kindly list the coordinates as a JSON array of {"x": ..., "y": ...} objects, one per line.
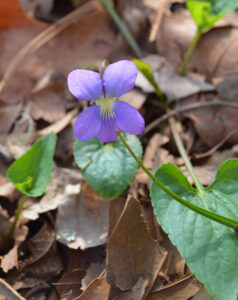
[
  {"x": 190, "y": 51},
  {"x": 215, "y": 217},
  {"x": 123, "y": 28},
  {"x": 184, "y": 154},
  {"x": 17, "y": 215}
]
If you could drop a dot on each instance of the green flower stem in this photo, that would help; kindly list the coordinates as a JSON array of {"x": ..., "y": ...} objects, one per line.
[
  {"x": 123, "y": 28},
  {"x": 215, "y": 217},
  {"x": 17, "y": 215},
  {"x": 190, "y": 51}
]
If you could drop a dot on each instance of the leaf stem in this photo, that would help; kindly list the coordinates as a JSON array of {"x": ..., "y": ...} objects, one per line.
[
  {"x": 17, "y": 215},
  {"x": 215, "y": 217},
  {"x": 183, "y": 154},
  {"x": 190, "y": 51},
  {"x": 123, "y": 28}
]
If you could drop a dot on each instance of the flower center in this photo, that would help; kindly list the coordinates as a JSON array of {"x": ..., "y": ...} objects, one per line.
[{"x": 106, "y": 108}]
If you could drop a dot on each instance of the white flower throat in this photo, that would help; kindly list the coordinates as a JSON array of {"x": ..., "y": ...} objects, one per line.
[{"x": 106, "y": 108}]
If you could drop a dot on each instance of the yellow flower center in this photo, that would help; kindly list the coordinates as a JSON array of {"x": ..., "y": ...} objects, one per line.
[{"x": 106, "y": 108}]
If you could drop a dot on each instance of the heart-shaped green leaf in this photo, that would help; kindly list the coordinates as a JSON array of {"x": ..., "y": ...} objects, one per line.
[
  {"x": 107, "y": 168},
  {"x": 31, "y": 172},
  {"x": 207, "y": 12},
  {"x": 209, "y": 248}
]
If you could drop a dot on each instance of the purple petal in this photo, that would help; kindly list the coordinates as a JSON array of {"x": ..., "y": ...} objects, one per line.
[
  {"x": 107, "y": 132},
  {"x": 128, "y": 119},
  {"x": 119, "y": 78},
  {"x": 85, "y": 85},
  {"x": 88, "y": 123}
]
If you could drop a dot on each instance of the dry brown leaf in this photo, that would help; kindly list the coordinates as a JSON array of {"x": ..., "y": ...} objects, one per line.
[
  {"x": 182, "y": 289},
  {"x": 82, "y": 220},
  {"x": 16, "y": 30},
  {"x": 154, "y": 157},
  {"x": 38, "y": 245},
  {"x": 64, "y": 184},
  {"x": 7, "y": 292},
  {"x": 94, "y": 270},
  {"x": 48, "y": 105},
  {"x": 175, "y": 87},
  {"x": 10, "y": 260},
  {"x": 213, "y": 124},
  {"x": 115, "y": 209},
  {"x": 98, "y": 289},
  {"x": 134, "y": 98},
  {"x": 40, "y": 271},
  {"x": 175, "y": 34},
  {"x": 202, "y": 295},
  {"x": 132, "y": 252},
  {"x": 69, "y": 285},
  {"x": 136, "y": 293},
  {"x": 8, "y": 115},
  {"x": 215, "y": 54}
]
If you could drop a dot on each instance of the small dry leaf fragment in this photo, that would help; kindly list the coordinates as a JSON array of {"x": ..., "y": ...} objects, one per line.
[
  {"x": 132, "y": 252},
  {"x": 10, "y": 260},
  {"x": 180, "y": 290},
  {"x": 39, "y": 245},
  {"x": 155, "y": 155},
  {"x": 47, "y": 105},
  {"x": 69, "y": 285},
  {"x": 215, "y": 123},
  {"x": 8, "y": 115},
  {"x": 94, "y": 270},
  {"x": 64, "y": 184},
  {"x": 41, "y": 270},
  {"x": 175, "y": 87},
  {"x": 98, "y": 289},
  {"x": 136, "y": 293},
  {"x": 82, "y": 220}
]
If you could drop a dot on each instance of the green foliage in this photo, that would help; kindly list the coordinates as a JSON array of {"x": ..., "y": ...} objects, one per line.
[
  {"x": 107, "y": 168},
  {"x": 31, "y": 172},
  {"x": 209, "y": 248},
  {"x": 207, "y": 12}
]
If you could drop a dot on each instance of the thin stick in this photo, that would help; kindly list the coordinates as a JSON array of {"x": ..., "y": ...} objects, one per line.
[
  {"x": 186, "y": 108},
  {"x": 213, "y": 149},
  {"x": 156, "y": 25}
]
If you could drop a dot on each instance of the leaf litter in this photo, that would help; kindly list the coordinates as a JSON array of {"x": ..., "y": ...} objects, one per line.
[{"x": 71, "y": 243}]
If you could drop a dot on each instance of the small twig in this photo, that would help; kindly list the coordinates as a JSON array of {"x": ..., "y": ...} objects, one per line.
[
  {"x": 60, "y": 124},
  {"x": 186, "y": 108},
  {"x": 159, "y": 16},
  {"x": 46, "y": 36},
  {"x": 213, "y": 149}
]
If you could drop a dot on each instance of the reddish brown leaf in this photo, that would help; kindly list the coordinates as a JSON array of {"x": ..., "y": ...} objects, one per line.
[{"x": 132, "y": 252}]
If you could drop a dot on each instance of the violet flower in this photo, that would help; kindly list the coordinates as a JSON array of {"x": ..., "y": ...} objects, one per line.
[{"x": 102, "y": 120}]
